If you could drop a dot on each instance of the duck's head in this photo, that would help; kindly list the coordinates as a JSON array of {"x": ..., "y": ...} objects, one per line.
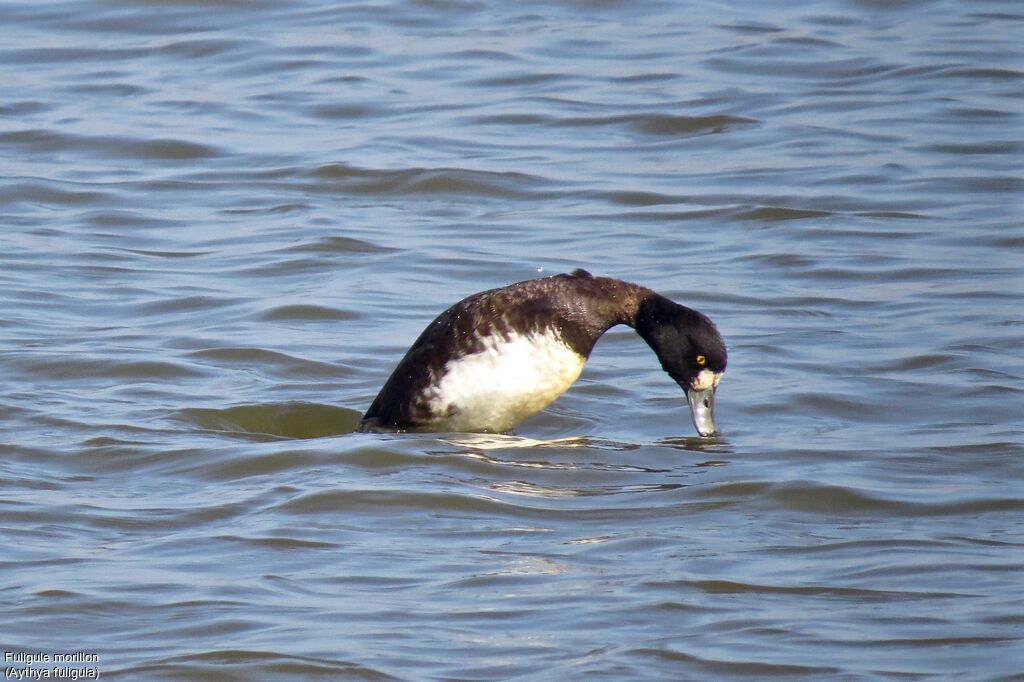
[{"x": 691, "y": 351}]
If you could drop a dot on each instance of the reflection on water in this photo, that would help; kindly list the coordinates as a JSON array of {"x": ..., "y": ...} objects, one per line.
[
  {"x": 223, "y": 228},
  {"x": 533, "y": 490},
  {"x": 283, "y": 420}
]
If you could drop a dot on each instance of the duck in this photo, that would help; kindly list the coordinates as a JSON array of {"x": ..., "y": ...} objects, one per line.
[{"x": 499, "y": 356}]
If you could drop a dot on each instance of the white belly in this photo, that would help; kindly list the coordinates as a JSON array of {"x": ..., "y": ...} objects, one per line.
[{"x": 505, "y": 383}]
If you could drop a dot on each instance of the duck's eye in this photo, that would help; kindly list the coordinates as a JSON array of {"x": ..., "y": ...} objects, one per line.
[{"x": 701, "y": 360}]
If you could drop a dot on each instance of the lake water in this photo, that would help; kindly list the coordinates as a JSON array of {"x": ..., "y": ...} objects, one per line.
[{"x": 224, "y": 222}]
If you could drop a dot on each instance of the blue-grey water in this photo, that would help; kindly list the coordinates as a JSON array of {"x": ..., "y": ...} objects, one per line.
[{"x": 222, "y": 223}]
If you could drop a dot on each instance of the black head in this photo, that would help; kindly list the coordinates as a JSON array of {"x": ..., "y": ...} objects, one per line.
[{"x": 690, "y": 349}]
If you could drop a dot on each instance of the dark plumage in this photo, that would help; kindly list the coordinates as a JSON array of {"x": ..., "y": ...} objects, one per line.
[{"x": 458, "y": 375}]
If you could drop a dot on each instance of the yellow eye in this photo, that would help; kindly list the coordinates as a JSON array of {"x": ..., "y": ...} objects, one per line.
[{"x": 701, "y": 360}]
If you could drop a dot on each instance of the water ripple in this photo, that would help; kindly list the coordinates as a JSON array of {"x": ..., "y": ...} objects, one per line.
[{"x": 46, "y": 141}]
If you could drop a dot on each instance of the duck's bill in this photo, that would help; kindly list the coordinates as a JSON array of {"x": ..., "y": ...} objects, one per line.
[{"x": 702, "y": 407}]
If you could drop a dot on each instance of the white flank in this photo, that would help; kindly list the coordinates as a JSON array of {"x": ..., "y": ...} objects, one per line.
[{"x": 506, "y": 382}]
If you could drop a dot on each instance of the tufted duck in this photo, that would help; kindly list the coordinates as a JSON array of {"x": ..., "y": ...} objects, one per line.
[{"x": 499, "y": 356}]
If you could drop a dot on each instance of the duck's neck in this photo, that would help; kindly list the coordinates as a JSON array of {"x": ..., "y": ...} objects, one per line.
[{"x": 596, "y": 304}]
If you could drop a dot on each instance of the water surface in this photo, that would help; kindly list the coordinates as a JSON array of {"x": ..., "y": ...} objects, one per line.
[{"x": 223, "y": 223}]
